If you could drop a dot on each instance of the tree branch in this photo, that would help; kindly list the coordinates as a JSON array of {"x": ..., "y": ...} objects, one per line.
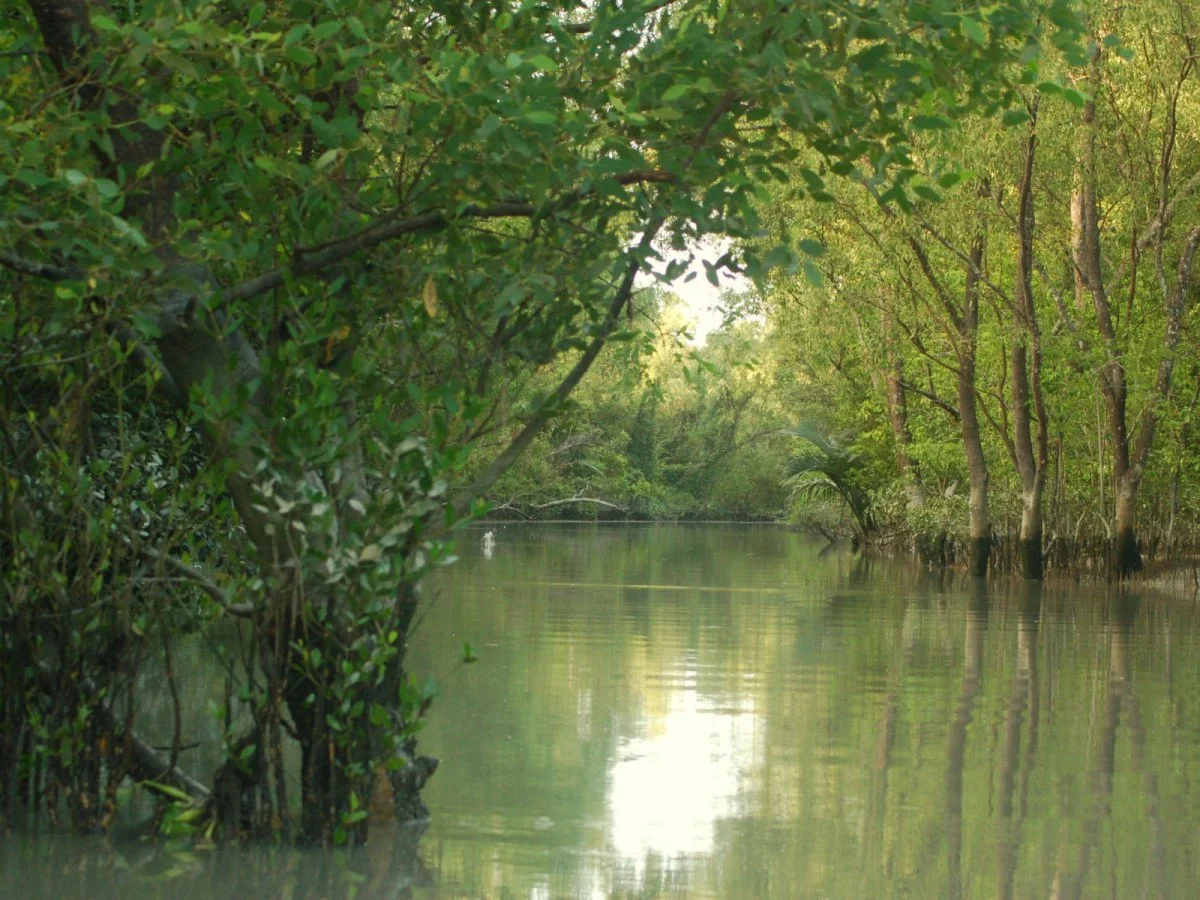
[
  {"x": 25, "y": 266},
  {"x": 513, "y": 451},
  {"x": 389, "y": 227},
  {"x": 567, "y": 500},
  {"x": 944, "y": 405},
  {"x": 148, "y": 762},
  {"x": 206, "y": 584}
]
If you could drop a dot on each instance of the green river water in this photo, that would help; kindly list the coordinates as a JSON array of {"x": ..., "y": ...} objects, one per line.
[{"x": 727, "y": 711}]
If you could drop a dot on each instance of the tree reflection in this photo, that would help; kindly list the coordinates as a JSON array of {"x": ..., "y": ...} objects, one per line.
[
  {"x": 976, "y": 628},
  {"x": 762, "y": 722},
  {"x": 1023, "y": 695}
]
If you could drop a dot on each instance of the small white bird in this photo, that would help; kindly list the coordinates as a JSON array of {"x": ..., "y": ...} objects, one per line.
[{"x": 489, "y": 544}]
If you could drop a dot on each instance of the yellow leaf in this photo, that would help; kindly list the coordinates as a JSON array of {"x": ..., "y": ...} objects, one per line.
[
  {"x": 370, "y": 553},
  {"x": 430, "y": 297}
]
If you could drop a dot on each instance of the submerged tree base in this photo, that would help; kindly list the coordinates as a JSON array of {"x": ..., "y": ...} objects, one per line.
[
  {"x": 934, "y": 550},
  {"x": 1127, "y": 556},
  {"x": 979, "y": 551},
  {"x": 1031, "y": 558}
]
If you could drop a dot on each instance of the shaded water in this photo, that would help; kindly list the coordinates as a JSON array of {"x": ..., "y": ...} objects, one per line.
[{"x": 721, "y": 711}]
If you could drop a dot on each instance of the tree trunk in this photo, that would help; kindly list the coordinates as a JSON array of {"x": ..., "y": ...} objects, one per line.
[
  {"x": 979, "y": 526},
  {"x": 1127, "y": 557},
  {"x": 1030, "y": 451},
  {"x": 898, "y": 418},
  {"x": 1031, "y": 532},
  {"x": 966, "y": 337},
  {"x": 1130, "y": 458},
  {"x": 930, "y": 547}
]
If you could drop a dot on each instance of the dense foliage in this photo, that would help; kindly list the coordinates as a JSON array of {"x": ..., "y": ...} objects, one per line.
[
  {"x": 1015, "y": 345},
  {"x": 662, "y": 429},
  {"x": 270, "y": 270},
  {"x": 997, "y": 365}
]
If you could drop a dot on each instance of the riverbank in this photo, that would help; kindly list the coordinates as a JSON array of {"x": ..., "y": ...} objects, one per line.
[{"x": 1176, "y": 573}]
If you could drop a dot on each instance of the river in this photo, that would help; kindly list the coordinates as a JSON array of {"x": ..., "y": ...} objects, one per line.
[{"x": 730, "y": 711}]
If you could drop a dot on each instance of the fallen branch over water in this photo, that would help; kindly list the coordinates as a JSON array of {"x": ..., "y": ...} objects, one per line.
[{"x": 148, "y": 763}]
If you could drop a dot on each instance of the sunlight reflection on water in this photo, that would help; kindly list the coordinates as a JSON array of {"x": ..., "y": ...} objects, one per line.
[{"x": 668, "y": 788}]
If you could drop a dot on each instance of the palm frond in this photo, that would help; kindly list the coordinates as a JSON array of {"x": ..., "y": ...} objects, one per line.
[{"x": 826, "y": 470}]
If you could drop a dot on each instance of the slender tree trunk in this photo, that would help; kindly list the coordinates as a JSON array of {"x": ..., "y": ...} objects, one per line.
[
  {"x": 965, "y": 337},
  {"x": 930, "y": 547},
  {"x": 979, "y": 526},
  {"x": 1030, "y": 452},
  {"x": 898, "y": 418},
  {"x": 897, "y": 407},
  {"x": 1130, "y": 458}
]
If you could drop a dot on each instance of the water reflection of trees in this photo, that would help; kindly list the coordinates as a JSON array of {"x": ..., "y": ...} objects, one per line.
[
  {"x": 891, "y": 733},
  {"x": 918, "y": 737},
  {"x": 62, "y": 867}
]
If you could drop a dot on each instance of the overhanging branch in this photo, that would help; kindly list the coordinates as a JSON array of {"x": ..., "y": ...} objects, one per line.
[
  {"x": 513, "y": 451},
  {"x": 390, "y": 227}
]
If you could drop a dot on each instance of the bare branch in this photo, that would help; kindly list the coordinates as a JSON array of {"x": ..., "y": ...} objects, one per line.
[
  {"x": 944, "y": 405},
  {"x": 567, "y": 500},
  {"x": 147, "y": 761}
]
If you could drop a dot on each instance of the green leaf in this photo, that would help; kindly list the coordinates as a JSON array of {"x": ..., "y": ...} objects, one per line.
[
  {"x": 106, "y": 188},
  {"x": 673, "y": 93},
  {"x": 540, "y": 117},
  {"x": 1074, "y": 97},
  {"x": 167, "y": 790},
  {"x": 925, "y": 192},
  {"x": 931, "y": 123},
  {"x": 973, "y": 30},
  {"x": 543, "y": 63},
  {"x": 665, "y": 113},
  {"x": 301, "y": 55},
  {"x": 812, "y": 247},
  {"x": 326, "y": 30},
  {"x": 102, "y": 22}
]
